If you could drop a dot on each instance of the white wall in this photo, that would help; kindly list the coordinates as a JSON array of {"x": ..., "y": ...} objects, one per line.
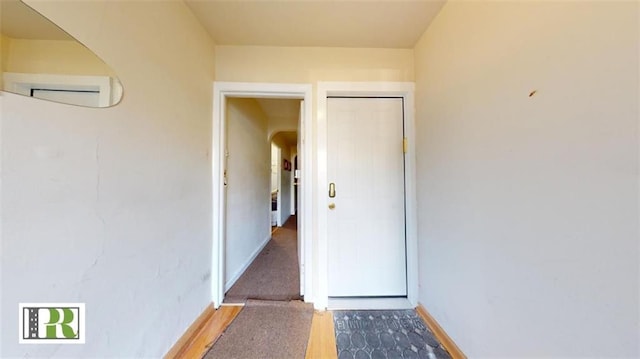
[
  {"x": 112, "y": 207},
  {"x": 285, "y": 180},
  {"x": 285, "y": 213},
  {"x": 248, "y": 189},
  {"x": 275, "y": 156},
  {"x": 528, "y": 206},
  {"x": 285, "y": 177},
  {"x": 277, "y": 162}
]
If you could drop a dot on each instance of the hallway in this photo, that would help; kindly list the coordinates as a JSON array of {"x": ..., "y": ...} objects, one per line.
[
  {"x": 264, "y": 317},
  {"x": 274, "y": 274},
  {"x": 273, "y": 322}
]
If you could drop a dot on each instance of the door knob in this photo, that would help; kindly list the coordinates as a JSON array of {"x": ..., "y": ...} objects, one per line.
[
  {"x": 332, "y": 190},
  {"x": 332, "y": 205}
]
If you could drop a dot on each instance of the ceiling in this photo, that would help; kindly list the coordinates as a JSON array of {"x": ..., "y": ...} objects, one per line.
[
  {"x": 290, "y": 138},
  {"x": 322, "y": 23},
  {"x": 283, "y": 113},
  {"x": 280, "y": 108},
  {"x": 19, "y": 21},
  {"x": 332, "y": 23}
]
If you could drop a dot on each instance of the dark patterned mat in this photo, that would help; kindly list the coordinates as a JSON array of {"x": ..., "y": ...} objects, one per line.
[{"x": 382, "y": 334}]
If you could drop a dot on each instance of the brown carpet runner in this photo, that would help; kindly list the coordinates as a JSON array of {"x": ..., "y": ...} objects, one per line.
[
  {"x": 274, "y": 274},
  {"x": 266, "y": 330}
]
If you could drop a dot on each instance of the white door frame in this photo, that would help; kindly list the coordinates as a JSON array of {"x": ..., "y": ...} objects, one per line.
[
  {"x": 222, "y": 91},
  {"x": 372, "y": 89}
]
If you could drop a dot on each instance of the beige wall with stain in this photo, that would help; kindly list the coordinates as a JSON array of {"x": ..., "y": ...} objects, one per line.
[{"x": 528, "y": 205}]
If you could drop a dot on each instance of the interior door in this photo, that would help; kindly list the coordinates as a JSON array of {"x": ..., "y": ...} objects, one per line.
[
  {"x": 297, "y": 194},
  {"x": 366, "y": 214}
]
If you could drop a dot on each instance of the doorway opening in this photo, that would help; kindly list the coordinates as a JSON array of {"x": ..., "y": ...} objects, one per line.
[
  {"x": 276, "y": 191},
  {"x": 253, "y": 177},
  {"x": 261, "y": 261},
  {"x": 284, "y": 148}
]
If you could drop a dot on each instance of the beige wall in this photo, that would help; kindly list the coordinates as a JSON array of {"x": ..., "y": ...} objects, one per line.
[
  {"x": 53, "y": 57},
  {"x": 284, "y": 115},
  {"x": 528, "y": 205},
  {"x": 309, "y": 64},
  {"x": 248, "y": 190},
  {"x": 5, "y": 42},
  {"x": 280, "y": 124},
  {"x": 112, "y": 207}
]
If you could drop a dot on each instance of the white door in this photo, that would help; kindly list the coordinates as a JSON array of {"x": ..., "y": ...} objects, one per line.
[
  {"x": 366, "y": 218},
  {"x": 297, "y": 196}
]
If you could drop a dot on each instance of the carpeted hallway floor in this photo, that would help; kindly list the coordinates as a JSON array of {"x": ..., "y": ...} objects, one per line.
[
  {"x": 266, "y": 330},
  {"x": 274, "y": 274},
  {"x": 273, "y": 322}
]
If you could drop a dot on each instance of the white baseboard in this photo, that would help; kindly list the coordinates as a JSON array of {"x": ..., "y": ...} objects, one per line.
[{"x": 246, "y": 265}]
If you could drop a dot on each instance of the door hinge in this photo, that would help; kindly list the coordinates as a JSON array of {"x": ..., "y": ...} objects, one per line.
[{"x": 405, "y": 145}]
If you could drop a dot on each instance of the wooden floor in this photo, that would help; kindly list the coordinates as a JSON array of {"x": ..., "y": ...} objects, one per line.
[
  {"x": 207, "y": 334},
  {"x": 321, "y": 345},
  {"x": 322, "y": 340}
]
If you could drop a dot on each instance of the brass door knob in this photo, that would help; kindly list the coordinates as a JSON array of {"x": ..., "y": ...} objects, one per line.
[
  {"x": 332, "y": 205},
  {"x": 332, "y": 190}
]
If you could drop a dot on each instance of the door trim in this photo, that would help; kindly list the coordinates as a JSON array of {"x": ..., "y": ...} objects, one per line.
[
  {"x": 222, "y": 91},
  {"x": 365, "y": 89}
]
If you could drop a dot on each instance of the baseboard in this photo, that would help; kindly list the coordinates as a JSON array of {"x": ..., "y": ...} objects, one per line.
[
  {"x": 184, "y": 342},
  {"x": 440, "y": 334},
  {"x": 203, "y": 333},
  {"x": 246, "y": 265}
]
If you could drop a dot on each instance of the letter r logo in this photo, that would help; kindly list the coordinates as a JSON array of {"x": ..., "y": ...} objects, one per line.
[{"x": 55, "y": 321}]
